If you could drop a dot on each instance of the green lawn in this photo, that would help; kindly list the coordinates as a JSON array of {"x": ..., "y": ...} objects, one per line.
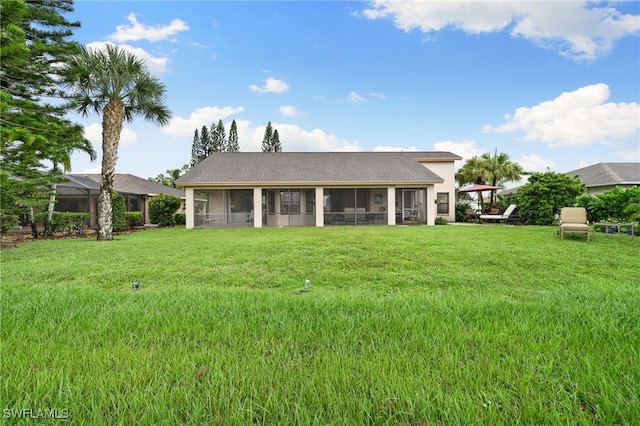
[{"x": 402, "y": 325}]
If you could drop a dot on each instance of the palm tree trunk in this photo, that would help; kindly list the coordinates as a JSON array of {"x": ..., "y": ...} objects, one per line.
[{"x": 111, "y": 127}]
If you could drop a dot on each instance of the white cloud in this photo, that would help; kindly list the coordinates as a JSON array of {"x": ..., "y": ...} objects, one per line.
[
  {"x": 288, "y": 111},
  {"x": 271, "y": 85},
  {"x": 380, "y": 148},
  {"x": 381, "y": 96},
  {"x": 354, "y": 98},
  {"x": 630, "y": 152},
  {"x": 93, "y": 133},
  {"x": 205, "y": 116},
  {"x": 580, "y": 30},
  {"x": 294, "y": 138},
  {"x": 465, "y": 149},
  {"x": 579, "y": 118},
  {"x": 198, "y": 45},
  {"x": 156, "y": 65},
  {"x": 535, "y": 163},
  {"x": 135, "y": 31}
]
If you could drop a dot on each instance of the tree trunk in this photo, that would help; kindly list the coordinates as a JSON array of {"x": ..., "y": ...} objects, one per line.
[
  {"x": 32, "y": 222},
  {"x": 111, "y": 127},
  {"x": 52, "y": 202}
]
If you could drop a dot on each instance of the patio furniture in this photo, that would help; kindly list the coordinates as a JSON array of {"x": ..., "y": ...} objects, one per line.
[
  {"x": 499, "y": 217},
  {"x": 574, "y": 219},
  {"x": 613, "y": 228},
  {"x": 470, "y": 215}
]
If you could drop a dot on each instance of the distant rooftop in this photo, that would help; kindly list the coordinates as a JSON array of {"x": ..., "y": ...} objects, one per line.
[
  {"x": 130, "y": 184},
  {"x": 607, "y": 174}
]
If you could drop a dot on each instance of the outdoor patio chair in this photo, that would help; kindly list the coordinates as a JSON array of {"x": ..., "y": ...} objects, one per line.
[
  {"x": 499, "y": 217},
  {"x": 470, "y": 215},
  {"x": 574, "y": 219}
]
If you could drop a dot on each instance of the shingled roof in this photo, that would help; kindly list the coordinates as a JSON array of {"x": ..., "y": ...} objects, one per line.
[
  {"x": 130, "y": 184},
  {"x": 608, "y": 174},
  {"x": 315, "y": 168}
]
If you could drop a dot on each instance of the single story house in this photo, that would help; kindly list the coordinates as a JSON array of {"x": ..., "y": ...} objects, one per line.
[
  {"x": 80, "y": 194},
  {"x": 320, "y": 188},
  {"x": 602, "y": 177}
]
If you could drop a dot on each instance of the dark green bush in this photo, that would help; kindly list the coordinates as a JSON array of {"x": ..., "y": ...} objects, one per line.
[
  {"x": 617, "y": 205},
  {"x": 180, "y": 219},
  {"x": 460, "y": 211},
  {"x": 162, "y": 209},
  {"x": 441, "y": 221},
  {"x": 133, "y": 219},
  {"x": 542, "y": 198},
  {"x": 68, "y": 223},
  {"x": 118, "y": 211}
]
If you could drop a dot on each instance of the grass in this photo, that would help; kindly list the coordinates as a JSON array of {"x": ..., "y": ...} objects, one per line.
[{"x": 402, "y": 325}]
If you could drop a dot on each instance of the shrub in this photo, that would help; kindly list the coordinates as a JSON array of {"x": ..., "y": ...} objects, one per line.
[
  {"x": 620, "y": 205},
  {"x": 162, "y": 209},
  {"x": 180, "y": 219},
  {"x": 541, "y": 199},
  {"x": 68, "y": 223},
  {"x": 133, "y": 219},
  {"x": 441, "y": 221},
  {"x": 461, "y": 216},
  {"x": 118, "y": 211}
]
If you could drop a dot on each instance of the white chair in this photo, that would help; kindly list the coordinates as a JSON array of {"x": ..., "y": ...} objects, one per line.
[{"x": 499, "y": 217}]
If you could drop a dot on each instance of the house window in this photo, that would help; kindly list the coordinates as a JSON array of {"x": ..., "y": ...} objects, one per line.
[
  {"x": 289, "y": 202},
  {"x": 310, "y": 201},
  {"x": 442, "y": 200},
  {"x": 271, "y": 195}
]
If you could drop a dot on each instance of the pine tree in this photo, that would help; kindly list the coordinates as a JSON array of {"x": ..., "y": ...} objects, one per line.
[
  {"x": 233, "y": 145},
  {"x": 205, "y": 143},
  {"x": 275, "y": 142},
  {"x": 218, "y": 137},
  {"x": 271, "y": 140},
  {"x": 267, "y": 139},
  {"x": 34, "y": 41},
  {"x": 196, "y": 149}
]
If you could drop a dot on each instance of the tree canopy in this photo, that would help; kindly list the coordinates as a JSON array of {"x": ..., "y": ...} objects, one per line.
[
  {"x": 542, "y": 198},
  {"x": 494, "y": 170}
]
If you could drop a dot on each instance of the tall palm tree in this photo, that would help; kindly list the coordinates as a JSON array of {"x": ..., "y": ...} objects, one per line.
[
  {"x": 494, "y": 170},
  {"x": 116, "y": 84},
  {"x": 499, "y": 169},
  {"x": 473, "y": 172}
]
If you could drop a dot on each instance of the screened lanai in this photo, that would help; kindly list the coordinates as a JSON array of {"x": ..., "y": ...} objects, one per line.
[{"x": 318, "y": 189}]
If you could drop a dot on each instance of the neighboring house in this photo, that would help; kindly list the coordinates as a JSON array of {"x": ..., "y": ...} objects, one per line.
[
  {"x": 602, "y": 177},
  {"x": 320, "y": 188},
  {"x": 80, "y": 194}
]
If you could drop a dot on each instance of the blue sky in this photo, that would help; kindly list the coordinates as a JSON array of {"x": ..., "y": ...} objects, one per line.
[{"x": 555, "y": 85}]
